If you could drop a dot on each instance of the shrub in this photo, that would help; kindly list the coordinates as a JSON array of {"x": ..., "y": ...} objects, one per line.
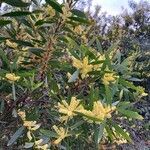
[{"x": 60, "y": 89}]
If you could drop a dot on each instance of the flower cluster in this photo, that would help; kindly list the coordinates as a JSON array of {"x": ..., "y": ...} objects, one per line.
[
  {"x": 50, "y": 11},
  {"x": 83, "y": 65},
  {"x": 61, "y": 133},
  {"x": 79, "y": 30},
  {"x": 39, "y": 145},
  {"x": 30, "y": 125},
  {"x": 66, "y": 12},
  {"x": 69, "y": 109},
  {"x": 12, "y": 77},
  {"x": 97, "y": 114},
  {"x": 109, "y": 78}
]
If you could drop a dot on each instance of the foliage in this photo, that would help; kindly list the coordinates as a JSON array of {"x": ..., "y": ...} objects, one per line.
[{"x": 58, "y": 84}]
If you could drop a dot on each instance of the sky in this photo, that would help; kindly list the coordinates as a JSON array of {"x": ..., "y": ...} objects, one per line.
[{"x": 113, "y": 7}]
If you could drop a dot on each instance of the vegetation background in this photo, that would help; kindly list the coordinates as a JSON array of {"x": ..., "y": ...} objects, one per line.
[{"x": 74, "y": 80}]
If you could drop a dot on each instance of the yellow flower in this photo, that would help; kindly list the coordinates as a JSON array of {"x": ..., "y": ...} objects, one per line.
[
  {"x": 20, "y": 60},
  {"x": 12, "y": 77},
  {"x": 84, "y": 66},
  {"x": 11, "y": 44},
  {"x": 22, "y": 115},
  {"x": 141, "y": 91},
  {"x": 144, "y": 94},
  {"x": 29, "y": 135},
  {"x": 39, "y": 145},
  {"x": 108, "y": 78},
  {"x": 50, "y": 11},
  {"x": 66, "y": 12},
  {"x": 31, "y": 125},
  {"x": 69, "y": 109},
  {"x": 98, "y": 113},
  {"x": 68, "y": 75},
  {"x": 84, "y": 38},
  {"x": 78, "y": 29},
  {"x": 25, "y": 49},
  {"x": 121, "y": 141},
  {"x": 43, "y": 147},
  {"x": 38, "y": 142},
  {"x": 61, "y": 132}
]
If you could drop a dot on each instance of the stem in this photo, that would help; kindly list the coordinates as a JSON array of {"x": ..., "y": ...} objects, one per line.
[
  {"x": 46, "y": 82},
  {"x": 13, "y": 91}
]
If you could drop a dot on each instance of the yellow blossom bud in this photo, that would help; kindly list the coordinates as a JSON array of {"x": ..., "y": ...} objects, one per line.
[
  {"x": 11, "y": 44},
  {"x": 12, "y": 77}
]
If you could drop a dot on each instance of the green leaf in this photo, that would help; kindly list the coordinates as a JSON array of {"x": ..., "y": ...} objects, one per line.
[
  {"x": 2, "y": 105},
  {"x": 36, "y": 86},
  {"x": 3, "y": 72},
  {"x": 76, "y": 125},
  {"x": 130, "y": 114},
  {"x": 99, "y": 47},
  {"x": 16, "y": 135},
  {"x": 17, "y": 14},
  {"x": 14, "y": 65},
  {"x": 74, "y": 76},
  {"x": 55, "y": 5},
  {"x": 135, "y": 79},
  {"x": 23, "y": 43},
  {"x": 112, "y": 47},
  {"x": 2, "y": 38},
  {"x": 42, "y": 22},
  {"x": 124, "y": 105},
  {"x": 94, "y": 119},
  {"x": 26, "y": 73},
  {"x": 16, "y": 3},
  {"x": 49, "y": 133},
  {"x": 79, "y": 19},
  {"x": 78, "y": 13},
  {"x": 121, "y": 132},
  {"x": 93, "y": 96},
  {"x": 127, "y": 84},
  {"x": 4, "y": 22},
  {"x": 91, "y": 42},
  {"x": 109, "y": 132},
  {"x": 26, "y": 22},
  {"x": 108, "y": 94},
  {"x": 98, "y": 132},
  {"x": 4, "y": 57},
  {"x": 36, "y": 51},
  {"x": 54, "y": 86},
  {"x": 72, "y": 44}
]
